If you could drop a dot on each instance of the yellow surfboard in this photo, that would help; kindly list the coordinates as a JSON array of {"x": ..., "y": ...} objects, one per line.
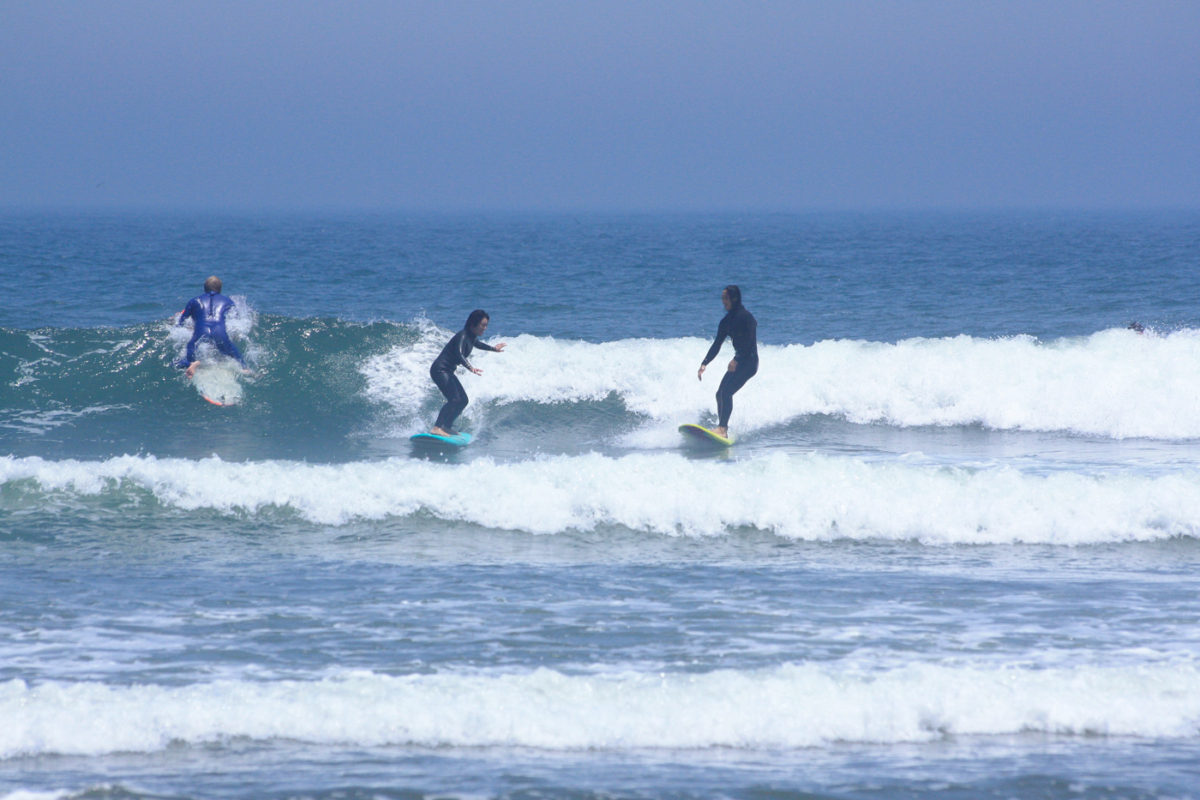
[{"x": 703, "y": 434}]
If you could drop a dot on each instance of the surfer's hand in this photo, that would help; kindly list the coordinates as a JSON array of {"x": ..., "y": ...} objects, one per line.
[
  {"x": 477, "y": 371},
  {"x": 499, "y": 347},
  {"x": 700, "y": 373}
]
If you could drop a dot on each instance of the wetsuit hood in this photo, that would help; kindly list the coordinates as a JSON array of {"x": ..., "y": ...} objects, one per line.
[{"x": 735, "y": 297}]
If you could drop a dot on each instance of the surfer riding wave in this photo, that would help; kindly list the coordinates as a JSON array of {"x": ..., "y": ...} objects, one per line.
[
  {"x": 739, "y": 325},
  {"x": 207, "y": 312},
  {"x": 454, "y": 355}
]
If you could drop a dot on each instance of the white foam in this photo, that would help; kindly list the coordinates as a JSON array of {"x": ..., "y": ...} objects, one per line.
[
  {"x": 1114, "y": 383},
  {"x": 812, "y": 497},
  {"x": 784, "y": 707},
  {"x": 400, "y": 377},
  {"x": 220, "y": 381}
]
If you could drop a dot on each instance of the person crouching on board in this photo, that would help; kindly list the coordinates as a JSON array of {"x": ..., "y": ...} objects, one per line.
[
  {"x": 208, "y": 312},
  {"x": 442, "y": 371},
  {"x": 741, "y": 326}
]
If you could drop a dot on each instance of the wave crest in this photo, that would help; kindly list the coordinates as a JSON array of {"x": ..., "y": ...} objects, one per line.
[
  {"x": 1114, "y": 383},
  {"x": 803, "y": 497},
  {"x": 796, "y": 705}
]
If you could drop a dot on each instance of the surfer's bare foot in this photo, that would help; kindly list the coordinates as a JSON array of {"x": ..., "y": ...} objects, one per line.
[
  {"x": 722, "y": 432},
  {"x": 191, "y": 370},
  {"x": 436, "y": 431}
]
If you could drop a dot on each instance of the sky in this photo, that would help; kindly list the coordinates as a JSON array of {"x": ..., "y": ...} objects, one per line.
[{"x": 657, "y": 105}]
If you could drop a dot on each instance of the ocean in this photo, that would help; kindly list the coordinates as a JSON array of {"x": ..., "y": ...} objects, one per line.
[{"x": 954, "y": 552}]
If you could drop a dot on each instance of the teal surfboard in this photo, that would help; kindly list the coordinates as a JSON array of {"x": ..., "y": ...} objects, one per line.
[
  {"x": 703, "y": 434},
  {"x": 459, "y": 439}
]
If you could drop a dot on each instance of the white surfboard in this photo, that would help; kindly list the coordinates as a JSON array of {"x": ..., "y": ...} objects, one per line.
[{"x": 219, "y": 382}]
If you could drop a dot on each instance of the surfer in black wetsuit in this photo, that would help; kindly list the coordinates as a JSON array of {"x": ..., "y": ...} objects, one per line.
[
  {"x": 442, "y": 371},
  {"x": 208, "y": 312},
  {"x": 739, "y": 325}
]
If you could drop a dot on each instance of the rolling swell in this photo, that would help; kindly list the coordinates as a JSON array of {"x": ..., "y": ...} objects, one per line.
[
  {"x": 105, "y": 391},
  {"x": 329, "y": 390}
]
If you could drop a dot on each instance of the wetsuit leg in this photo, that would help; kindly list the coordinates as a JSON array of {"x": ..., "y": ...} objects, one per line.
[
  {"x": 456, "y": 398},
  {"x": 225, "y": 345},
  {"x": 729, "y": 385},
  {"x": 190, "y": 356}
]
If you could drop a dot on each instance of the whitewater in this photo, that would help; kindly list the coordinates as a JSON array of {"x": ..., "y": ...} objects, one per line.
[
  {"x": 1114, "y": 383},
  {"x": 809, "y": 497},
  {"x": 808, "y": 706}
]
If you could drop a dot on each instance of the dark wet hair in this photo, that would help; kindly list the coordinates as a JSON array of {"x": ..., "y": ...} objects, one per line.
[
  {"x": 735, "y": 294},
  {"x": 212, "y": 284},
  {"x": 475, "y": 318}
]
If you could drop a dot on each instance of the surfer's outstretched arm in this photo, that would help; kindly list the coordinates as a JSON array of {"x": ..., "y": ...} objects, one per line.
[{"x": 188, "y": 311}]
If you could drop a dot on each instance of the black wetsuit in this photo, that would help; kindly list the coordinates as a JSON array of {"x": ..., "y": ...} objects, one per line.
[
  {"x": 442, "y": 371},
  {"x": 740, "y": 326}
]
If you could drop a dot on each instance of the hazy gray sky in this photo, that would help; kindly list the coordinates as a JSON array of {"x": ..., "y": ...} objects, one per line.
[{"x": 599, "y": 105}]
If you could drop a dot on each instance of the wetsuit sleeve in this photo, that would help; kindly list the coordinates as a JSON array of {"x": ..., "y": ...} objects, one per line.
[
  {"x": 464, "y": 347},
  {"x": 722, "y": 333},
  {"x": 485, "y": 346},
  {"x": 188, "y": 311}
]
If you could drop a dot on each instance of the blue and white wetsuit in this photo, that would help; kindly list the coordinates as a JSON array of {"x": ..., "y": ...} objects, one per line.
[{"x": 208, "y": 312}]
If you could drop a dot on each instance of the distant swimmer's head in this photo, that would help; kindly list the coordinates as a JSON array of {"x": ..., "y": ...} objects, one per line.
[
  {"x": 212, "y": 284},
  {"x": 477, "y": 322},
  {"x": 1137, "y": 326},
  {"x": 731, "y": 297}
]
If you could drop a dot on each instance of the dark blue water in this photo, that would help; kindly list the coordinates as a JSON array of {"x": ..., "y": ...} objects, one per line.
[{"x": 881, "y": 277}]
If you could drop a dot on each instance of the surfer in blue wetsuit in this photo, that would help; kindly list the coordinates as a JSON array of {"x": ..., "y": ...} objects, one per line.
[
  {"x": 739, "y": 325},
  {"x": 454, "y": 354},
  {"x": 207, "y": 312}
]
